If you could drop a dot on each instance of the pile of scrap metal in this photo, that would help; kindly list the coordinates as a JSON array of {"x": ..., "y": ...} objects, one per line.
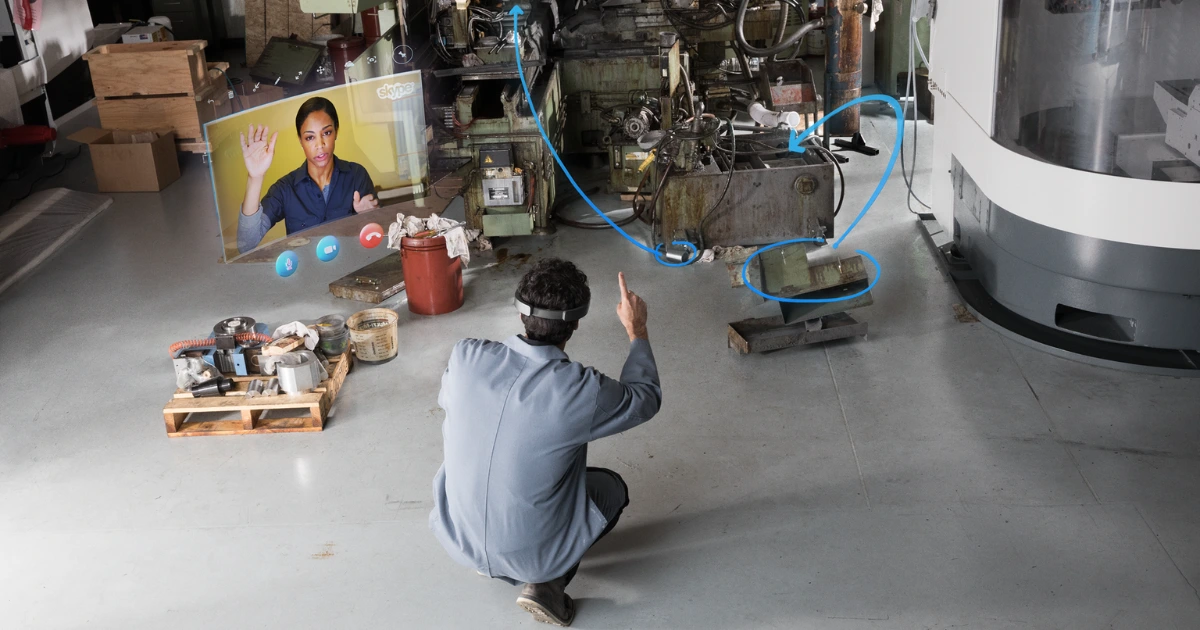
[
  {"x": 296, "y": 356},
  {"x": 690, "y": 103}
]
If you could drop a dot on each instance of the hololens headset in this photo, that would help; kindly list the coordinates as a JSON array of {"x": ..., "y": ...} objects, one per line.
[{"x": 571, "y": 315}]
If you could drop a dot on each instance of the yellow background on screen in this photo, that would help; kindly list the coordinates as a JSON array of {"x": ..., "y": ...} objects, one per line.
[{"x": 368, "y": 126}]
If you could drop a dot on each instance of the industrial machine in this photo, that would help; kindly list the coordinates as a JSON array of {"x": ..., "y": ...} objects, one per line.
[
  {"x": 655, "y": 90},
  {"x": 480, "y": 116},
  {"x": 687, "y": 104},
  {"x": 1066, "y": 171}
]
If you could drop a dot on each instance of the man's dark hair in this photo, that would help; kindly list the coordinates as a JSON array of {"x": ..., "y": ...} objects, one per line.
[
  {"x": 552, "y": 284},
  {"x": 315, "y": 104}
]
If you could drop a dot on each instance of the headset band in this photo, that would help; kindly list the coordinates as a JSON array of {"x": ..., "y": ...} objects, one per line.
[{"x": 571, "y": 315}]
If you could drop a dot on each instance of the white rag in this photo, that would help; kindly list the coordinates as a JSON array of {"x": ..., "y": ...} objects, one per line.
[
  {"x": 457, "y": 245},
  {"x": 300, "y": 330},
  {"x": 414, "y": 226},
  {"x": 434, "y": 222},
  {"x": 458, "y": 238}
]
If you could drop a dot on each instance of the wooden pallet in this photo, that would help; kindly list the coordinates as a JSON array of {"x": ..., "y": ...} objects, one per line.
[{"x": 314, "y": 406}]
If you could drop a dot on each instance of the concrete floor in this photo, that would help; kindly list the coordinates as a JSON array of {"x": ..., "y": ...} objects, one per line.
[{"x": 933, "y": 475}]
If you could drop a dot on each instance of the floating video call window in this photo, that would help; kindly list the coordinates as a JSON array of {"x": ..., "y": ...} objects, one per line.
[{"x": 298, "y": 164}]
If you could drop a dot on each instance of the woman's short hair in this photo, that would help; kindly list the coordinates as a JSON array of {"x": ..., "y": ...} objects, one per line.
[
  {"x": 315, "y": 104},
  {"x": 552, "y": 284}
]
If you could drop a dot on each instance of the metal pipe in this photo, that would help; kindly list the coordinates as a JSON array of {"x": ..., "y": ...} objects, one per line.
[
  {"x": 843, "y": 65},
  {"x": 739, "y": 31}
]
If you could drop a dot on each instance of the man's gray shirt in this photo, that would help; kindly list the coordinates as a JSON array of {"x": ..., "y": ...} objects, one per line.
[{"x": 510, "y": 498}]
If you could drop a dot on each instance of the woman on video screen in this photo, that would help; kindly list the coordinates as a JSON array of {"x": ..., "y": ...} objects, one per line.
[{"x": 324, "y": 188}]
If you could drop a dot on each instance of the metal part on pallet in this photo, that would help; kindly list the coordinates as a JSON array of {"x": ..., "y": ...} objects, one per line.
[
  {"x": 215, "y": 387},
  {"x": 300, "y": 375},
  {"x": 225, "y": 331}
]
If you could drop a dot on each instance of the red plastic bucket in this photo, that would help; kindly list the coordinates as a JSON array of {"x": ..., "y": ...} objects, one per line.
[{"x": 432, "y": 279}]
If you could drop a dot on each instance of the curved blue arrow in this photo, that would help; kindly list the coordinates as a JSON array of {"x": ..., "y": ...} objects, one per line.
[
  {"x": 794, "y": 144},
  {"x": 796, "y": 138},
  {"x": 516, "y": 11}
]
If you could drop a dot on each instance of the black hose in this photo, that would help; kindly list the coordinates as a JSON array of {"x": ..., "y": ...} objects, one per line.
[
  {"x": 841, "y": 177},
  {"x": 563, "y": 200},
  {"x": 739, "y": 30},
  {"x": 708, "y": 216}
]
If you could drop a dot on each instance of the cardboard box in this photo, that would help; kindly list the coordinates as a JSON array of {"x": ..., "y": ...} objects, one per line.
[
  {"x": 131, "y": 161},
  {"x": 145, "y": 34}
]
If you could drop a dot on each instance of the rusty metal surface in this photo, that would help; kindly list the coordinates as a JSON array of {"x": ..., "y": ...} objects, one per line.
[
  {"x": 771, "y": 333},
  {"x": 843, "y": 72},
  {"x": 763, "y": 205},
  {"x": 797, "y": 92}
]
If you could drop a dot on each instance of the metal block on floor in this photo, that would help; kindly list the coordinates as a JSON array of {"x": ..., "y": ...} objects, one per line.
[
  {"x": 793, "y": 313},
  {"x": 787, "y": 272},
  {"x": 771, "y": 333}
]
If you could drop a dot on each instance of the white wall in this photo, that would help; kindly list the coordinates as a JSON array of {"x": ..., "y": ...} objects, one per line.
[{"x": 62, "y": 37}]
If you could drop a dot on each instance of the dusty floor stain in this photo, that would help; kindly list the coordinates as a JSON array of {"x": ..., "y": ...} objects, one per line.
[
  {"x": 963, "y": 315},
  {"x": 327, "y": 552}
]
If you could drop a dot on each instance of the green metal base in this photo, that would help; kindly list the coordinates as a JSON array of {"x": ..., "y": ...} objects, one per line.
[{"x": 507, "y": 224}]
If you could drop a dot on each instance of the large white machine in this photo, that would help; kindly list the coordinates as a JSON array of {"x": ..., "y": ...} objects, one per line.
[{"x": 1067, "y": 164}]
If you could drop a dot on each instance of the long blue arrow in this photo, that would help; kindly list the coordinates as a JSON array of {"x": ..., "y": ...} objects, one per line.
[
  {"x": 515, "y": 12},
  {"x": 795, "y": 139}
]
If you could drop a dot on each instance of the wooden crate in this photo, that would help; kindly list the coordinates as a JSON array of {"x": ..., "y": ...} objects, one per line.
[
  {"x": 184, "y": 114},
  {"x": 158, "y": 68},
  {"x": 313, "y": 407}
]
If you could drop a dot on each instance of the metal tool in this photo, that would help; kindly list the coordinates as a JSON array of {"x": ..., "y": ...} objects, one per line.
[
  {"x": 215, "y": 387},
  {"x": 226, "y": 331},
  {"x": 299, "y": 375}
]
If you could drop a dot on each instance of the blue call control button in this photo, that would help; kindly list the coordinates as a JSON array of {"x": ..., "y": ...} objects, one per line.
[
  {"x": 328, "y": 248},
  {"x": 287, "y": 263}
]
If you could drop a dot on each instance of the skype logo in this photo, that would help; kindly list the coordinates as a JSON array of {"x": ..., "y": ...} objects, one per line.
[{"x": 396, "y": 91}]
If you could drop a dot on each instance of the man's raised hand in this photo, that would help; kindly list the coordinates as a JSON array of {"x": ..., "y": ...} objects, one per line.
[{"x": 631, "y": 310}]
